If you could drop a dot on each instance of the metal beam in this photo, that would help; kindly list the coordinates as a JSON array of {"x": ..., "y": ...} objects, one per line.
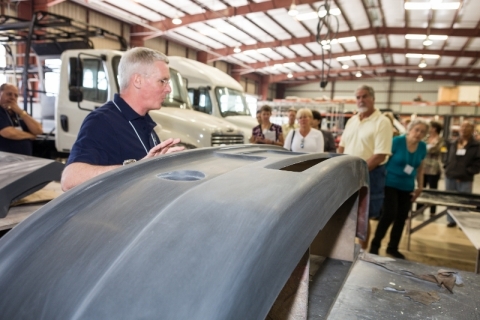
[{"x": 463, "y": 32}]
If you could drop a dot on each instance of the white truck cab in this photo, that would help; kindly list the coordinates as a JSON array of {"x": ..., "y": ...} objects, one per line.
[
  {"x": 88, "y": 79},
  {"x": 214, "y": 92}
]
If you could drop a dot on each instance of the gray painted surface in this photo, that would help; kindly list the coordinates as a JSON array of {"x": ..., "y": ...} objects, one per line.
[
  {"x": 363, "y": 295},
  {"x": 22, "y": 175},
  {"x": 131, "y": 244}
]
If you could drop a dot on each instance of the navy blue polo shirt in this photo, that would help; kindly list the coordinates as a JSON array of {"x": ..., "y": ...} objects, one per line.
[
  {"x": 14, "y": 146},
  {"x": 108, "y": 135}
]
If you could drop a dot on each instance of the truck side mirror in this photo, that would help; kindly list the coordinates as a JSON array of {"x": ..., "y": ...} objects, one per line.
[{"x": 75, "y": 81}]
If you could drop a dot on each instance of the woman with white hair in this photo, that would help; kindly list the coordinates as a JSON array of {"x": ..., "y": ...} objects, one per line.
[
  {"x": 305, "y": 138},
  {"x": 405, "y": 164}
]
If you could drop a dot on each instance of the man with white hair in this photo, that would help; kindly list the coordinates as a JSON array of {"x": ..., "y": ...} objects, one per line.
[
  {"x": 121, "y": 131},
  {"x": 368, "y": 135}
]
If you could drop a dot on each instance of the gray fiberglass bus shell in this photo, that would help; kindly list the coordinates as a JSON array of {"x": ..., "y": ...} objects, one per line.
[
  {"x": 204, "y": 234},
  {"x": 22, "y": 175}
]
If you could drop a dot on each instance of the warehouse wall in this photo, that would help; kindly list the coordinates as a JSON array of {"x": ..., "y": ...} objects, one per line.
[{"x": 402, "y": 90}]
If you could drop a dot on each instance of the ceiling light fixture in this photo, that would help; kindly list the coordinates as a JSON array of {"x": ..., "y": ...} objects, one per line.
[
  {"x": 333, "y": 12},
  {"x": 293, "y": 10},
  {"x": 345, "y": 66},
  {"x": 358, "y": 74},
  {"x": 433, "y": 4},
  {"x": 425, "y": 56},
  {"x": 422, "y": 63},
  {"x": 355, "y": 57},
  {"x": 176, "y": 20},
  {"x": 420, "y": 79},
  {"x": 289, "y": 75},
  {"x": 237, "y": 49},
  {"x": 427, "y": 42}
]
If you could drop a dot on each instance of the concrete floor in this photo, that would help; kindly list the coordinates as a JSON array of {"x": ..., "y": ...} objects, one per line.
[{"x": 436, "y": 244}]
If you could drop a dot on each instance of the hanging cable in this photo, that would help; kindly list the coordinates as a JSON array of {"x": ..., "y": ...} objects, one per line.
[{"x": 328, "y": 23}]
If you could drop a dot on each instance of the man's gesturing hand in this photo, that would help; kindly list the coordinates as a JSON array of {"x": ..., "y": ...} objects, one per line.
[{"x": 167, "y": 146}]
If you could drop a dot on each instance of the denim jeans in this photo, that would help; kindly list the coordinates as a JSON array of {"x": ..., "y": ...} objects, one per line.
[
  {"x": 377, "y": 191},
  {"x": 458, "y": 186}
]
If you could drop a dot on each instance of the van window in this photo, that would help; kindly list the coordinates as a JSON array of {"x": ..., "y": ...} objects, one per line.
[
  {"x": 94, "y": 84},
  {"x": 178, "y": 97},
  {"x": 200, "y": 99},
  {"x": 231, "y": 102}
]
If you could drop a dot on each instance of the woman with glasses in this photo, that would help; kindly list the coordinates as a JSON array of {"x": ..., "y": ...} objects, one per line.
[{"x": 305, "y": 138}]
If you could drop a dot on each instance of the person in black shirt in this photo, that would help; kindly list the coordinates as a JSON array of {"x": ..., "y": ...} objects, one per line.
[{"x": 17, "y": 127}]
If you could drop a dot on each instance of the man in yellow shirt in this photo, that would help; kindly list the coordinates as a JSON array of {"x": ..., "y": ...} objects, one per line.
[
  {"x": 368, "y": 135},
  {"x": 292, "y": 115}
]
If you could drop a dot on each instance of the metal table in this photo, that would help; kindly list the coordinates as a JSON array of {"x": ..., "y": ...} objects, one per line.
[
  {"x": 469, "y": 223},
  {"x": 468, "y": 202}
]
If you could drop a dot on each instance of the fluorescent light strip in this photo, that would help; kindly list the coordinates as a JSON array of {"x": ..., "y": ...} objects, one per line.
[
  {"x": 434, "y": 5},
  {"x": 355, "y": 57},
  {"x": 424, "y": 36},
  {"x": 425, "y": 56},
  {"x": 446, "y": 6},
  {"x": 339, "y": 40}
]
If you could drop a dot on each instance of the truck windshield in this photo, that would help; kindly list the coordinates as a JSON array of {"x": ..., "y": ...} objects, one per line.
[
  {"x": 231, "y": 102},
  {"x": 178, "y": 98}
]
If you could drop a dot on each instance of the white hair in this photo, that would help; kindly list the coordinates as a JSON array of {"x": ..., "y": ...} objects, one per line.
[
  {"x": 137, "y": 60},
  {"x": 417, "y": 121}
]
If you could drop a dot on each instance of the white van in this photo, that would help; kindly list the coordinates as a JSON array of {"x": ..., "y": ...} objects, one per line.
[{"x": 214, "y": 92}]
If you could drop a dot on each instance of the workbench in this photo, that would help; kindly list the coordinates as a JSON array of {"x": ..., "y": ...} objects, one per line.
[
  {"x": 23, "y": 208},
  {"x": 462, "y": 207}
]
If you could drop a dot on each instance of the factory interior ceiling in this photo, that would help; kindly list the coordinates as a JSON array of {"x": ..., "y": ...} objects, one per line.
[{"x": 299, "y": 41}]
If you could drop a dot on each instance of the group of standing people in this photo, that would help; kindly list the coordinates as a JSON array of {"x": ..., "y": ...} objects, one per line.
[{"x": 304, "y": 136}]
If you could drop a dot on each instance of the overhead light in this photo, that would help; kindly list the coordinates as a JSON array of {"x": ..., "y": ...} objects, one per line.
[
  {"x": 326, "y": 46},
  {"x": 425, "y": 56},
  {"x": 264, "y": 50},
  {"x": 422, "y": 63},
  {"x": 289, "y": 75},
  {"x": 417, "y": 5},
  {"x": 434, "y": 5},
  {"x": 358, "y": 57},
  {"x": 344, "y": 40},
  {"x": 237, "y": 49},
  {"x": 293, "y": 10},
  {"x": 358, "y": 74},
  {"x": 427, "y": 42},
  {"x": 289, "y": 64},
  {"x": 345, "y": 66},
  {"x": 333, "y": 12},
  {"x": 339, "y": 40},
  {"x": 415, "y": 36},
  {"x": 419, "y": 78},
  {"x": 446, "y": 6},
  {"x": 355, "y": 57},
  {"x": 176, "y": 20}
]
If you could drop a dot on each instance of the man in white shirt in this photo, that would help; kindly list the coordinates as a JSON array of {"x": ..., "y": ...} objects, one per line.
[{"x": 368, "y": 135}]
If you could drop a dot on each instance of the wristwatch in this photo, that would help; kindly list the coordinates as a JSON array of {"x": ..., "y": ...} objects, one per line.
[{"x": 125, "y": 162}]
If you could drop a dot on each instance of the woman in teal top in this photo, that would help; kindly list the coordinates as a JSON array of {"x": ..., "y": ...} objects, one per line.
[{"x": 405, "y": 164}]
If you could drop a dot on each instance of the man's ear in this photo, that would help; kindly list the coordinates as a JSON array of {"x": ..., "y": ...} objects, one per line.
[{"x": 137, "y": 80}]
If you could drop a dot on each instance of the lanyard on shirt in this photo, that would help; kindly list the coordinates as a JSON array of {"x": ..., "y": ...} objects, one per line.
[{"x": 138, "y": 136}]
